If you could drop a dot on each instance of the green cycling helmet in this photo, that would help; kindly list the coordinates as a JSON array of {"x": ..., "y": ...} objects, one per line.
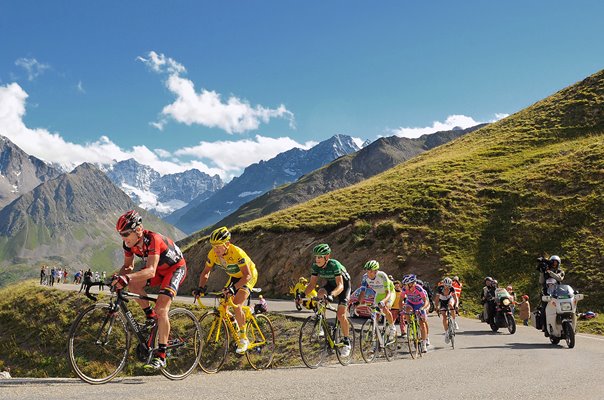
[
  {"x": 371, "y": 265},
  {"x": 322, "y": 249}
]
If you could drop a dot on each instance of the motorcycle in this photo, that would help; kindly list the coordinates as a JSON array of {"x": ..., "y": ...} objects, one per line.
[
  {"x": 504, "y": 318},
  {"x": 561, "y": 314}
]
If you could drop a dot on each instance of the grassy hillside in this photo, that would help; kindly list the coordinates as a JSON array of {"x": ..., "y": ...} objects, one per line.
[
  {"x": 488, "y": 203},
  {"x": 35, "y": 327}
]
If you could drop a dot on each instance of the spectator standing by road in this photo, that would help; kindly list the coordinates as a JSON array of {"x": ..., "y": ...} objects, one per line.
[{"x": 524, "y": 309}]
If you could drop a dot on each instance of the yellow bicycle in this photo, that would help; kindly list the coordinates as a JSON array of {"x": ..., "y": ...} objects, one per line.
[{"x": 218, "y": 327}]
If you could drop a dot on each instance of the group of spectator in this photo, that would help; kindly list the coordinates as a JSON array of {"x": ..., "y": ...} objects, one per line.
[{"x": 51, "y": 275}]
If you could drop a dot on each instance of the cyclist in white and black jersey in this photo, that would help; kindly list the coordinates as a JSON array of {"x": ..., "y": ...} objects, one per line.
[{"x": 447, "y": 298}]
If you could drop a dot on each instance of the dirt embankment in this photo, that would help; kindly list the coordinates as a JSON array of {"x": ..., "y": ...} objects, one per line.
[{"x": 281, "y": 258}]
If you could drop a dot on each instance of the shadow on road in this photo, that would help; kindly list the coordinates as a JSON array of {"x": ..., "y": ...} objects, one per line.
[
  {"x": 518, "y": 346},
  {"x": 479, "y": 333}
]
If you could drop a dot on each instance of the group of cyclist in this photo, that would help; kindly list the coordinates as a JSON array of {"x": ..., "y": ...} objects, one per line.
[{"x": 165, "y": 267}]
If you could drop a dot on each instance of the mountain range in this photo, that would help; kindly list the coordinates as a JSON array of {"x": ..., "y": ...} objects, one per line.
[
  {"x": 67, "y": 221},
  {"x": 20, "y": 172},
  {"x": 161, "y": 195},
  {"x": 382, "y": 154},
  {"x": 257, "y": 179}
]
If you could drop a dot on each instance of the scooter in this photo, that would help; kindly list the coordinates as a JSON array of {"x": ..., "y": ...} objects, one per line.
[
  {"x": 561, "y": 314},
  {"x": 504, "y": 317}
]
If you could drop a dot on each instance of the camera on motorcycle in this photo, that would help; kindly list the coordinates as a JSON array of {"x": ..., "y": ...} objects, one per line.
[{"x": 543, "y": 264}]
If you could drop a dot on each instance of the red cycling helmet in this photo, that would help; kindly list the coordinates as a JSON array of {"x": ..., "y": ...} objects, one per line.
[{"x": 129, "y": 220}]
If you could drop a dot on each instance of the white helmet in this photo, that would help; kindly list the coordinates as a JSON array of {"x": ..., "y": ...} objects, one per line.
[
  {"x": 555, "y": 258},
  {"x": 447, "y": 282},
  {"x": 551, "y": 281}
]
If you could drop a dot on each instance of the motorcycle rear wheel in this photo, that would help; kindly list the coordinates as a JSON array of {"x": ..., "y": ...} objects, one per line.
[{"x": 569, "y": 334}]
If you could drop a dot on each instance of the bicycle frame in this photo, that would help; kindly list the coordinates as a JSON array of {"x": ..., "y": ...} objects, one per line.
[
  {"x": 380, "y": 331},
  {"x": 122, "y": 297},
  {"x": 224, "y": 303},
  {"x": 323, "y": 306}
]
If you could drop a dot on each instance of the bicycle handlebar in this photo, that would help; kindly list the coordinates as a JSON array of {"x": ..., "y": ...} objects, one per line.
[{"x": 121, "y": 293}]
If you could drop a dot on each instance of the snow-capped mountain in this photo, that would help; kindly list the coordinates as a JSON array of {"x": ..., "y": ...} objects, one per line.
[
  {"x": 158, "y": 194},
  {"x": 259, "y": 178},
  {"x": 20, "y": 172}
]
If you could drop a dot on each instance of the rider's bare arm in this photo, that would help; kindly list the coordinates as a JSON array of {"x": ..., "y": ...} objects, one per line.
[
  {"x": 128, "y": 265},
  {"x": 339, "y": 286},
  {"x": 245, "y": 278},
  {"x": 205, "y": 275},
  {"x": 149, "y": 271}
]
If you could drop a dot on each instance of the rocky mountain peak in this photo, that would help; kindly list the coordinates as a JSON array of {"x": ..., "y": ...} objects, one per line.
[{"x": 20, "y": 172}]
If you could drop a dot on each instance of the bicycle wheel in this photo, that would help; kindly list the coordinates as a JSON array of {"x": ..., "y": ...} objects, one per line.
[
  {"x": 368, "y": 341},
  {"x": 418, "y": 341},
  {"x": 451, "y": 332},
  {"x": 390, "y": 345},
  {"x": 413, "y": 338},
  {"x": 261, "y": 335},
  {"x": 98, "y": 344},
  {"x": 214, "y": 342},
  {"x": 183, "y": 350},
  {"x": 344, "y": 360},
  {"x": 312, "y": 341}
]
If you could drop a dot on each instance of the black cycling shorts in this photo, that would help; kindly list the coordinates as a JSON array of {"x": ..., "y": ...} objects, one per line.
[{"x": 344, "y": 296}]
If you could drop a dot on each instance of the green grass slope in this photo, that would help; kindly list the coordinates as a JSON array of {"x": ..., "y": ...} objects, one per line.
[
  {"x": 35, "y": 328},
  {"x": 488, "y": 203}
]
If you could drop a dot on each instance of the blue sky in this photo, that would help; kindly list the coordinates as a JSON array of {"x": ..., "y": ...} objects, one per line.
[{"x": 220, "y": 85}]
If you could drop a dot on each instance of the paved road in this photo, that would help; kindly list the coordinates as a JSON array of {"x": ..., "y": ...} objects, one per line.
[{"x": 483, "y": 365}]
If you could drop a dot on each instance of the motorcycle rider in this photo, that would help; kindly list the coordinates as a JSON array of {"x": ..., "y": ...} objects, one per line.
[
  {"x": 488, "y": 299},
  {"x": 550, "y": 274},
  {"x": 549, "y": 269}
]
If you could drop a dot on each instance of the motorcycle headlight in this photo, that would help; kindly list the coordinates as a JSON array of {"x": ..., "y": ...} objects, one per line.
[
  {"x": 566, "y": 306},
  {"x": 506, "y": 302}
]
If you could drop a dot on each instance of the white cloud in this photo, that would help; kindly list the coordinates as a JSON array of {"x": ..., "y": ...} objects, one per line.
[
  {"x": 80, "y": 87},
  {"x": 206, "y": 107},
  {"x": 232, "y": 156},
  {"x": 225, "y": 158},
  {"x": 451, "y": 122},
  {"x": 160, "y": 64},
  {"x": 51, "y": 147},
  {"x": 33, "y": 67}
]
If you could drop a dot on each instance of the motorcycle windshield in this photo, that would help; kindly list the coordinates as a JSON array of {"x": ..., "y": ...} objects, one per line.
[
  {"x": 563, "y": 292},
  {"x": 501, "y": 293}
]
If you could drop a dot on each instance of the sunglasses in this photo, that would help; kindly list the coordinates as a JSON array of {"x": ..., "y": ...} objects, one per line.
[{"x": 126, "y": 233}]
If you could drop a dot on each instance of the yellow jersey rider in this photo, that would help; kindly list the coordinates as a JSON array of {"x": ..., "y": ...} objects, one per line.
[{"x": 242, "y": 274}]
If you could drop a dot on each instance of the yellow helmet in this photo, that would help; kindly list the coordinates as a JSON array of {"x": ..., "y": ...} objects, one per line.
[
  {"x": 302, "y": 279},
  {"x": 220, "y": 236}
]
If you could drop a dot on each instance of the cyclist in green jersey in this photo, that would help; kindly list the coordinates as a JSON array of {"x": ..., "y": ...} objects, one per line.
[{"x": 337, "y": 286}]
